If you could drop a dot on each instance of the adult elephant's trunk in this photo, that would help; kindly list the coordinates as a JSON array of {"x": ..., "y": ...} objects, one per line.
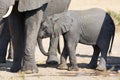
[
  {"x": 9, "y": 12},
  {"x": 41, "y": 47}
]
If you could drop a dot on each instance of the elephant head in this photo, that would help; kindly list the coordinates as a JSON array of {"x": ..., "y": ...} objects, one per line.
[{"x": 55, "y": 25}]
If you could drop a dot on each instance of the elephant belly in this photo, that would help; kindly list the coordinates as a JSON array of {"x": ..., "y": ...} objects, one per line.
[
  {"x": 89, "y": 37},
  {"x": 87, "y": 41}
]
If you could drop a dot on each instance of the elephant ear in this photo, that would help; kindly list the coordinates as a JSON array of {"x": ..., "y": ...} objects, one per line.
[
  {"x": 65, "y": 27},
  {"x": 66, "y": 24},
  {"x": 62, "y": 24},
  {"x": 4, "y": 5}
]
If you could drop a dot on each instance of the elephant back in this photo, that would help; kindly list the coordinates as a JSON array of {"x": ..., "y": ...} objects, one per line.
[{"x": 56, "y": 6}]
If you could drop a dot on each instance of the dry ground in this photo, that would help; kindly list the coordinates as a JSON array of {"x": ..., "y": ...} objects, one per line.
[{"x": 83, "y": 55}]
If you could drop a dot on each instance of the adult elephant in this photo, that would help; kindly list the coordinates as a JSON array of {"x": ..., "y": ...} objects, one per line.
[{"x": 25, "y": 19}]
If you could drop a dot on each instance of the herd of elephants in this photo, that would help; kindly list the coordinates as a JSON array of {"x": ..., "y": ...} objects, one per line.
[{"x": 24, "y": 23}]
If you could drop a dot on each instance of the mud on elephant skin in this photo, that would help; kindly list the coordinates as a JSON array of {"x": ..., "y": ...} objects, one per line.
[
  {"x": 24, "y": 23},
  {"x": 92, "y": 27}
]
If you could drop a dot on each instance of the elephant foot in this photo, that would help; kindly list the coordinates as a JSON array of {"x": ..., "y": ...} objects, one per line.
[
  {"x": 62, "y": 67},
  {"x": 30, "y": 71},
  {"x": 73, "y": 68},
  {"x": 29, "y": 68},
  {"x": 92, "y": 66},
  {"x": 101, "y": 68},
  {"x": 15, "y": 67},
  {"x": 102, "y": 65},
  {"x": 52, "y": 60}
]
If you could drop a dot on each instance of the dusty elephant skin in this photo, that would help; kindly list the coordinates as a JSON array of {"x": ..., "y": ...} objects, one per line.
[
  {"x": 24, "y": 26},
  {"x": 91, "y": 27}
]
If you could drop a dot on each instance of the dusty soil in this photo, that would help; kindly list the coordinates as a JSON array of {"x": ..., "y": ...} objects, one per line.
[{"x": 83, "y": 54}]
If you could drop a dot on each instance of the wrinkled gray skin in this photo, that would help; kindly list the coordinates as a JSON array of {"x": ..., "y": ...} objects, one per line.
[
  {"x": 91, "y": 27},
  {"x": 25, "y": 21},
  {"x": 24, "y": 26}
]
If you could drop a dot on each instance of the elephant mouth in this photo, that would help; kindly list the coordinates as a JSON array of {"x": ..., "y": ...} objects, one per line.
[{"x": 8, "y": 12}]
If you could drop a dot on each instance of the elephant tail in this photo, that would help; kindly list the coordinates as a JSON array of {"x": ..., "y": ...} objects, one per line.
[{"x": 112, "y": 39}]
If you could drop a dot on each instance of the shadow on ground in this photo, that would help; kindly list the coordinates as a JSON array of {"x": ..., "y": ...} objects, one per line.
[
  {"x": 112, "y": 62},
  {"x": 113, "y": 66},
  {"x": 5, "y": 66}
]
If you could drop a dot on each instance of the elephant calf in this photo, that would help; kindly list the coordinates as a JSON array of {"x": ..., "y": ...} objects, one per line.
[{"x": 91, "y": 27}]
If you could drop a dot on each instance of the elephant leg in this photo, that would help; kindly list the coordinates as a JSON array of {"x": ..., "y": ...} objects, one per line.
[
  {"x": 71, "y": 47},
  {"x": 104, "y": 49},
  {"x": 32, "y": 25},
  {"x": 4, "y": 40},
  {"x": 16, "y": 21},
  {"x": 52, "y": 57},
  {"x": 102, "y": 64},
  {"x": 63, "y": 58},
  {"x": 93, "y": 62}
]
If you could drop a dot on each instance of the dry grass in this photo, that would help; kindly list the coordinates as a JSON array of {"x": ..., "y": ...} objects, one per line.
[{"x": 116, "y": 18}]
